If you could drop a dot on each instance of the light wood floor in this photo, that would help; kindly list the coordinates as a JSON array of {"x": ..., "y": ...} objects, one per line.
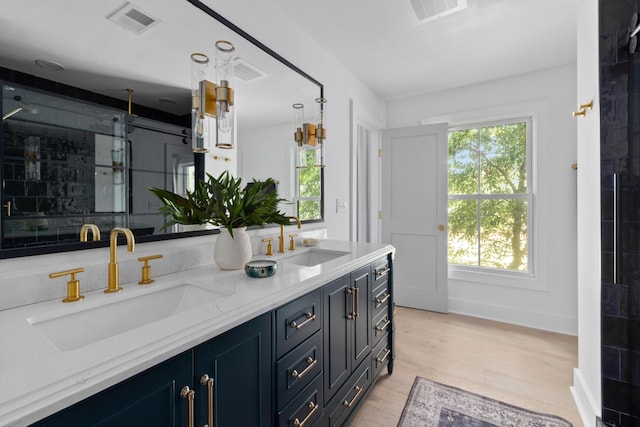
[{"x": 525, "y": 367}]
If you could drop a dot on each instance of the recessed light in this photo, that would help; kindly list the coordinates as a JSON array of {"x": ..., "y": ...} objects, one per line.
[{"x": 49, "y": 65}]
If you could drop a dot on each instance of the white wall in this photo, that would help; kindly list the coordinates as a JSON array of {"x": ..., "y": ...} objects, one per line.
[
  {"x": 267, "y": 24},
  {"x": 587, "y": 376},
  {"x": 549, "y": 299}
]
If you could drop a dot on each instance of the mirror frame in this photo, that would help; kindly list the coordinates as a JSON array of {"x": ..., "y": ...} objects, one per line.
[{"x": 199, "y": 160}]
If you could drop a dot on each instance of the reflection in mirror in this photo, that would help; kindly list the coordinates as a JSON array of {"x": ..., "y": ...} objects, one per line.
[{"x": 72, "y": 154}]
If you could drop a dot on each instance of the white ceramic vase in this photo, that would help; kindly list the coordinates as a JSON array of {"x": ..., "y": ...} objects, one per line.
[{"x": 232, "y": 253}]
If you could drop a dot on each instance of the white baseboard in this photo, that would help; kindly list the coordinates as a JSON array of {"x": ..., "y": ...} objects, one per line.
[
  {"x": 517, "y": 316},
  {"x": 585, "y": 402}
]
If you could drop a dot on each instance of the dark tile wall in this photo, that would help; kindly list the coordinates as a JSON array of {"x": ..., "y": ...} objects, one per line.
[
  {"x": 62, "y": 178},
  {"x": 620, "y": 232}
]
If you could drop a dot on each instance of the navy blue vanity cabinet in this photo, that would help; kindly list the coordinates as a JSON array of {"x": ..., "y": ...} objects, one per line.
[
  {"x": 229, "y": 375},
  {"x": 347, "y": 327},
  {"x": 233, "y": 377},
  {"x": 151, "y": 398}
]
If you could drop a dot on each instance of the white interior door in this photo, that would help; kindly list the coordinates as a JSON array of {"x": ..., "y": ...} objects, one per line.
[{"x": 414, "y": 213}]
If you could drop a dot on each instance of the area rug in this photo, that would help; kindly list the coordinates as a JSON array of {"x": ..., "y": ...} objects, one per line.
[{"x": 431, "y": 404}]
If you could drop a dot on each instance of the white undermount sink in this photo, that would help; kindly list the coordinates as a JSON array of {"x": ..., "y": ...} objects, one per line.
[
  {"x": 313, "y": 257},
  {"x": 78, "y": 329}
]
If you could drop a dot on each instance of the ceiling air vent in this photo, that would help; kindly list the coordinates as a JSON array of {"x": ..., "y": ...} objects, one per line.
[
  {"x": 429, "y": 10},
  {"x": 246, "y": 71},
  {"x": 132, "y": 18}
]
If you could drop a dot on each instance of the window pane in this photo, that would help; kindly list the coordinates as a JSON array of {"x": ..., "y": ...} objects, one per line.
[
  {"x": 309, "y": 178},
  {"x": 463, "y": 232},
  {"x": 504, "y": 159},
  {"x": 309, "y": 209},
  {"x": 463, "y": 161},
  {"x": 503, "y": 234}
]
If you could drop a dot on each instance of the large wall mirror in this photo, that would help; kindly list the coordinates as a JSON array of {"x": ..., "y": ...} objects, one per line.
[{"x": 73, "y": 153}]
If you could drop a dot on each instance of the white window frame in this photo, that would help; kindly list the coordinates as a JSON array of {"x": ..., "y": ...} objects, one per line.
[{"x": 528, "y": 196}]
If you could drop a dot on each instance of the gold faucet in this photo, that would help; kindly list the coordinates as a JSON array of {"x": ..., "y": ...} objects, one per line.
[
  {"x": 114, "y": 279},
  {"x": 84, "y": 231},
  {"x": 281, "y": 237}
]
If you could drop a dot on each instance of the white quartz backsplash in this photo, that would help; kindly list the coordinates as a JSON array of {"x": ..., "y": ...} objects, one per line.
[{"x": 26, "y": 280}]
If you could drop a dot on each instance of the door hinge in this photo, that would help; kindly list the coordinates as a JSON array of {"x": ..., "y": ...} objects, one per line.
[
  {"x": 380, "y": 152},
  {"x": 379, "y": 214}
]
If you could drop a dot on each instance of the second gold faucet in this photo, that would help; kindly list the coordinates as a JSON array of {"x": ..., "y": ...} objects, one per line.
[
  {"x": 114, "y": 275},
  {"x": 281, "y": 237}
]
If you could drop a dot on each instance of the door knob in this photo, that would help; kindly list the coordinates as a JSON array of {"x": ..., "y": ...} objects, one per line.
[{"x": 441, "y": 227}]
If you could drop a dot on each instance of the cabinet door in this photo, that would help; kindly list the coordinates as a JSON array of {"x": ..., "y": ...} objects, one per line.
[
  {"x": 151, "y": 398},
  {"x": 360, "y": 288},
  {"x": 239, "y": 363},
  {"x": 337, "y": 328}
]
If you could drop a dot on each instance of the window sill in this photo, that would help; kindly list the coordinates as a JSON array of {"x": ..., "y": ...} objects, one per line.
[{"x": 517, "y": 280}]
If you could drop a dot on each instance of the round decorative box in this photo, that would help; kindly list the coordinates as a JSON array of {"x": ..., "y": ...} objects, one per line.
[{"x": 261, "y": 268}]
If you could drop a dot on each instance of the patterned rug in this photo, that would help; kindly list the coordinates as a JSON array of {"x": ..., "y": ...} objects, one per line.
[{"x": 431, "y": 404}]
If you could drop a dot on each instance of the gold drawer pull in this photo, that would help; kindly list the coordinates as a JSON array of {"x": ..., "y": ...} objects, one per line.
[
  {"x": 310, "y": 364},
  {"x": 187, "y": 393},
  {"x": 386, "y": 323},
  {"x": 310, "y": 317},
  {"x": 384, "y": 299},
  {"x": 358, "y": 390},
  {"x": 313, "y": 407},
  {"x": 381, "y": 273},
  {"x": 357, "y": 302},
  {"x": 207, "y": 381},
  {"x": 387, "y": 352},
  {"x": 352, "y": 312}
]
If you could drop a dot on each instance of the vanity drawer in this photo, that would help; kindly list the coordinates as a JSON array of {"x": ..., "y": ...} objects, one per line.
[
  {"x": 297, "y": 321},
  {"x": 380, "y": 355},
  {"x": 306, "y": 408},
  {"x": 380, "y": 297},
  {"x": 298, "y": 368},
  {"x": 381, "y": 269},
  {"x": 349, "y": 396},
  {"x": 381, "y": 325}
]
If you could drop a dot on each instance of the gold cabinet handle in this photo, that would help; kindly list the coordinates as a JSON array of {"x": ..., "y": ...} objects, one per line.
[
  {"x": 146, "y": 269},
  {"x": 387, "y": 352},
  {"x": 187, "y": 393},
  {"x": 313, "y": 407},
  {"x": 356, "y": 304},
  {"x": 73, "y": 285},
  {"x": 8, "y": 206},
  {"x": 386, "y": 323},
  {"x": 207, "y": 381},
  {"x": 311, "y": 362},
  {"x": 309, "y": 318},
  {"x": 350, "y": 315},
  {"x": 381, "y": 273},
  {"x": 358, "y": 390},
  {"x": 580, "y": 113},
  {"x": 384, "y": 299}
]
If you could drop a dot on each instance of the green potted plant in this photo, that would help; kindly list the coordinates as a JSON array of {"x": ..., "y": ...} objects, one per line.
[{"x": 224, "y": 202}]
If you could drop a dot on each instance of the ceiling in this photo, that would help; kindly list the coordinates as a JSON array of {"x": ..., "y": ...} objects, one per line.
[
  {"x": 380, "y": 41},
  {"x": 383, "y": 44}
]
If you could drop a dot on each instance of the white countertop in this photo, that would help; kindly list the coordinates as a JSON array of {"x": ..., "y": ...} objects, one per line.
[{"x": 37, "y": 379}]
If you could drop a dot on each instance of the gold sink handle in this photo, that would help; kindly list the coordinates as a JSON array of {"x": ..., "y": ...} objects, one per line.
[
  {"x": 73, "y": 285},
  {"x": 146, "y": 269}
]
